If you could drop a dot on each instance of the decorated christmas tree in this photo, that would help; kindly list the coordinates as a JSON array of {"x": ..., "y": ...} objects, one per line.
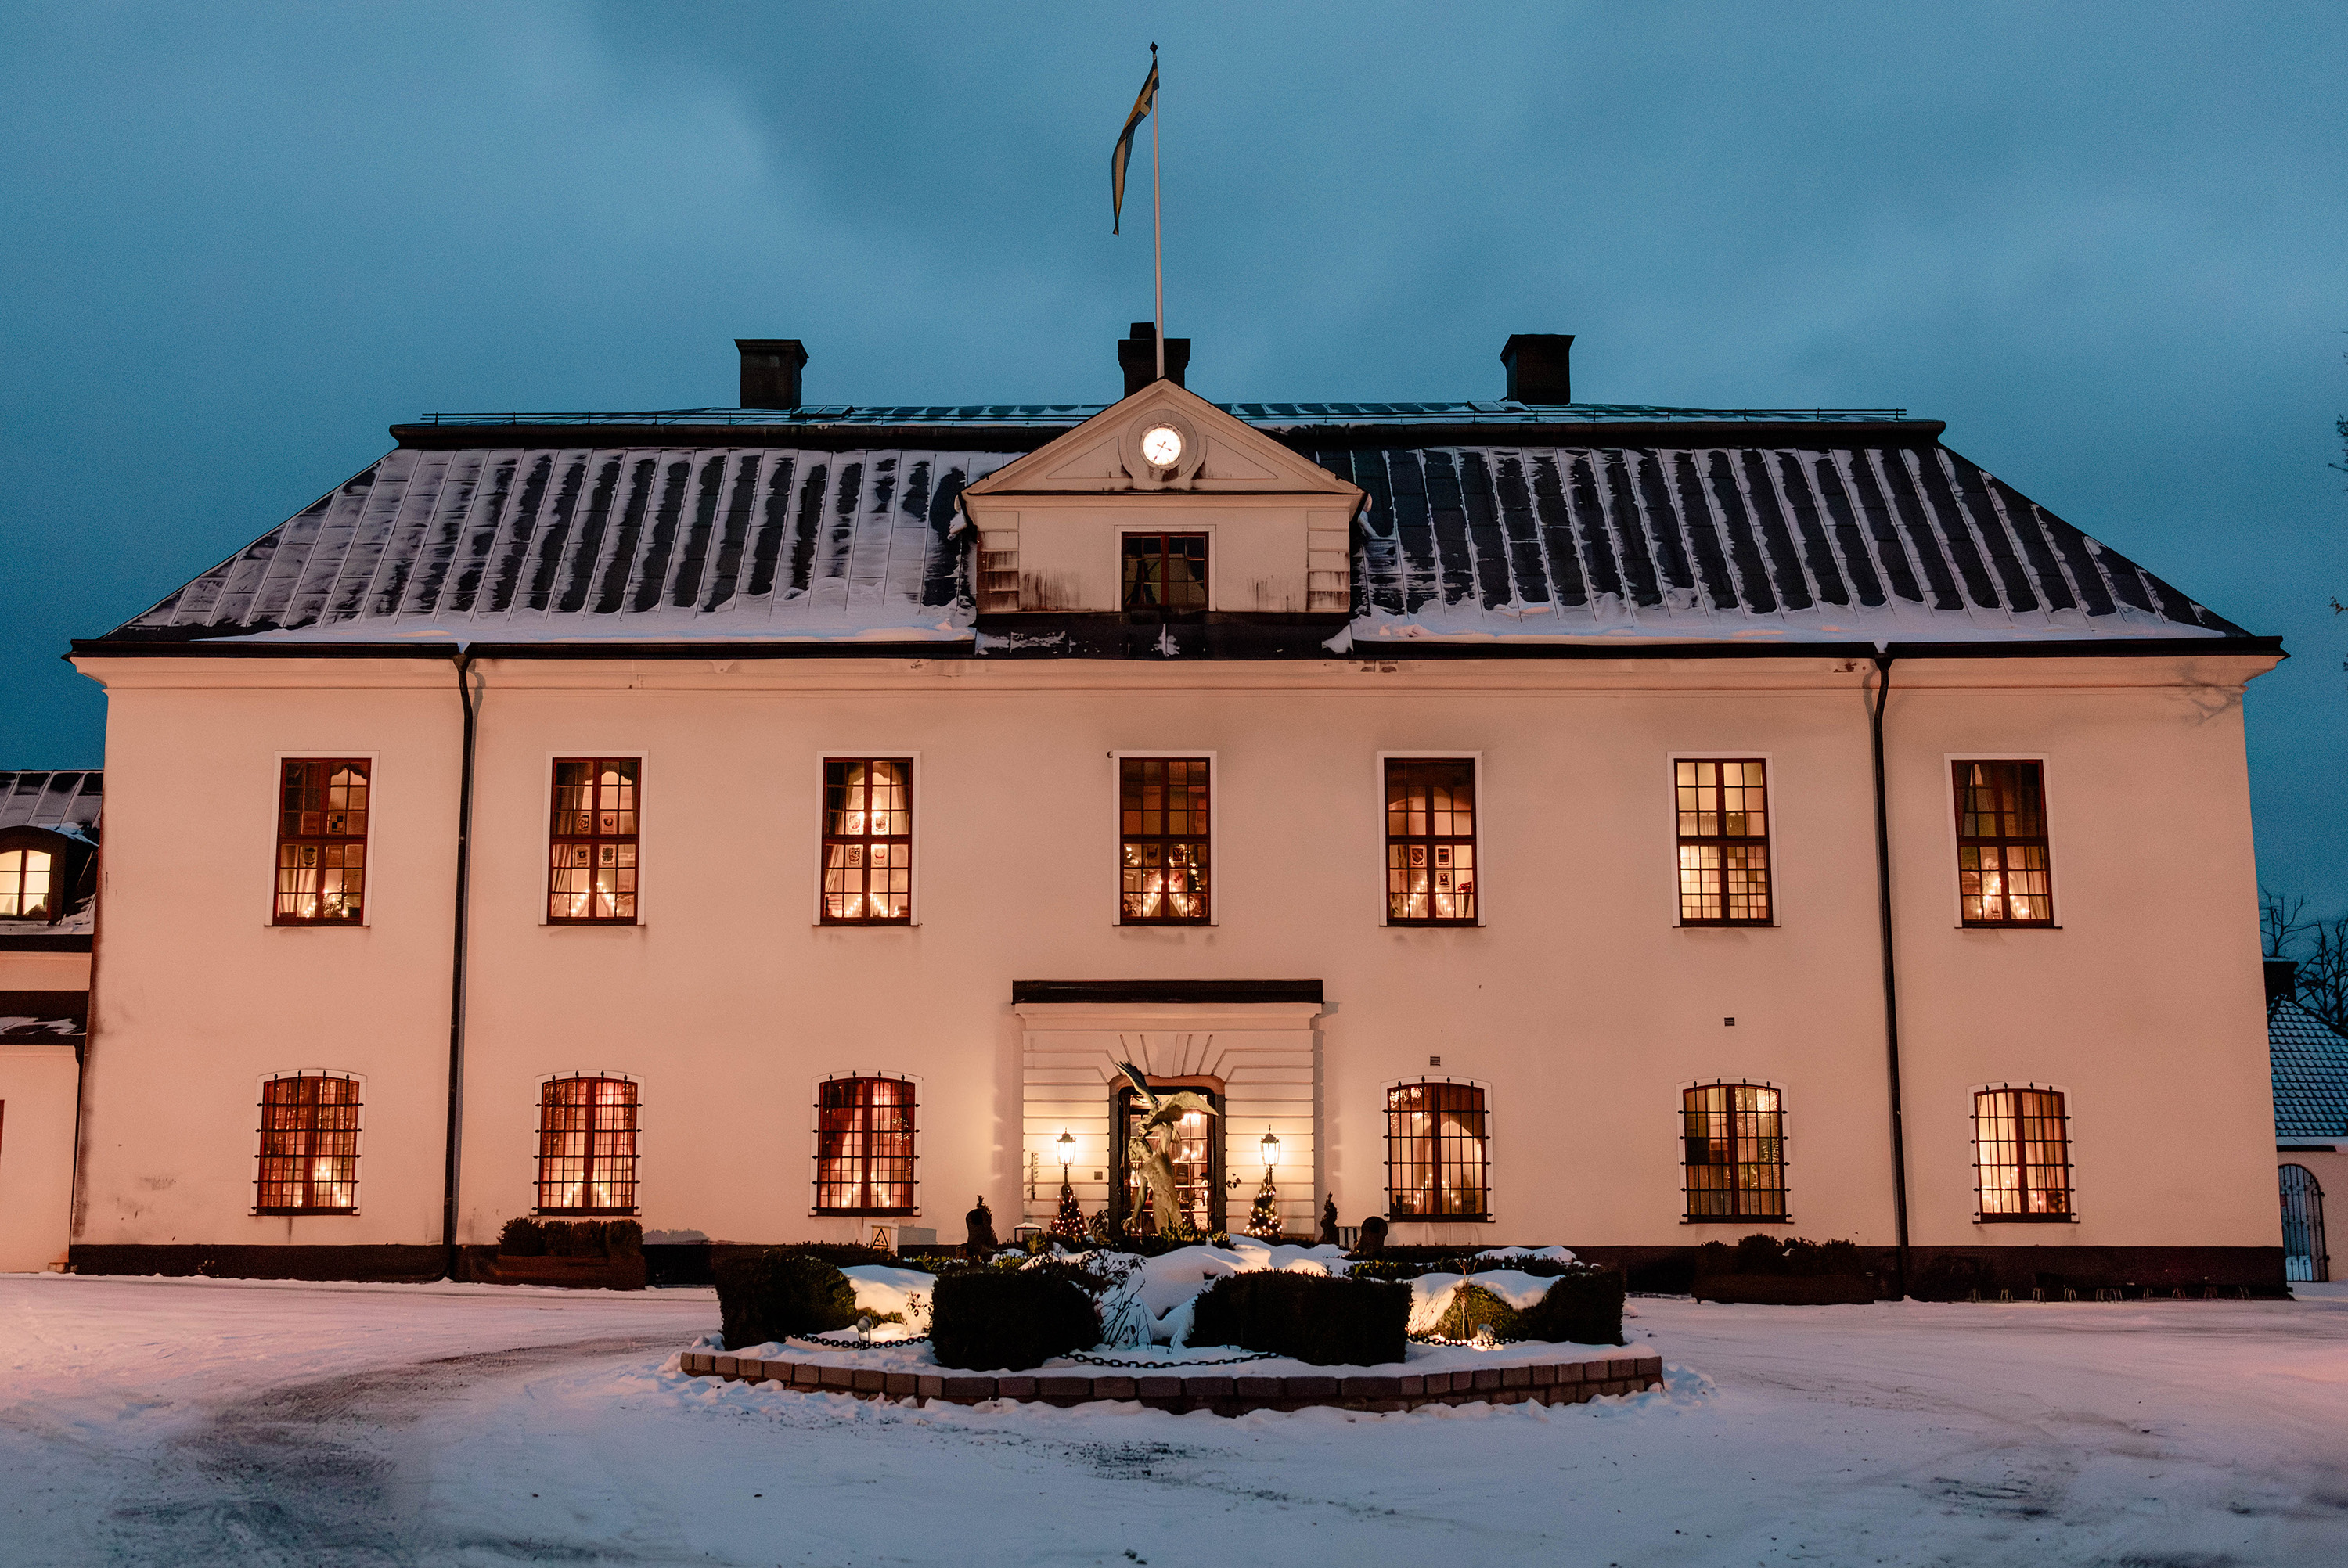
[
  {"x": 1263, "y": 1219},
  {"x": 1068, "y": 1225}
]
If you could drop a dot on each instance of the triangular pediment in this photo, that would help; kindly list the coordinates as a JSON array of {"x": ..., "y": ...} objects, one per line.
[{"x": 1104, "y": 456}]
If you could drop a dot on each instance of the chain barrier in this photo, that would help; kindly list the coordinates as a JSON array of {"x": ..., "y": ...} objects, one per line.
[{"x": 1171, "y": 1366}]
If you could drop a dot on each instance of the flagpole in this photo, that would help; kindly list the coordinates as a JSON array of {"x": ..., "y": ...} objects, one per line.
[{"x": 1157, "y": 208}]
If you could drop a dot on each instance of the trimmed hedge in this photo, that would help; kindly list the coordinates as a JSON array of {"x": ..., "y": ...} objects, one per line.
[
  {"x": 1584, "y": 1307},
  {"x": 525, "y": 1237},
  {"x": 782, "y": 1291},
  {"x": 1313, "y": 1317},
  {"x": 1011, "y": 1319}
]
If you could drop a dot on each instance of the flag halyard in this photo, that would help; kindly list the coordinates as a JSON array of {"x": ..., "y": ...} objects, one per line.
[{"x": 1143, "y": 104}]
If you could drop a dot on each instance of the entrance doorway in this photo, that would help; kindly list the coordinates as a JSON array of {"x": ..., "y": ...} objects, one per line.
[
  {"x": 1197, "y": 1158},
  {"x": 2304, "y": 1259}
]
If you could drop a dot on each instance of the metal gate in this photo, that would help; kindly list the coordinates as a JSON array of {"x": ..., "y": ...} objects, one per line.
[{"x": 2304, "y": 1255}]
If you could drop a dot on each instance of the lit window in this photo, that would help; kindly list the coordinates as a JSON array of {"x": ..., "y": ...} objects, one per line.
[
  {"x": 322, "y": 828},
  {"x": 309, "y": 1146},
  {"x": 587, "y": 1146},
  {"x": 2022, "y": 1150},
  {"x": 26, "y": 882},
  {"x": 1164, "y": 846},
  {"x": 1430, "y": 842},
  {"x": 867, "y": 841},
  {"x": 1735, "y": 1135},
  {"x": 2001, "y": 860},
  {"x": 593, "y": 860},
  {"x": 1437, "y": 1159},
  {"x": 864, "y": 1146},
  {"x": 1724, "y": 844},
  {"x": 1166, "y": 573}
]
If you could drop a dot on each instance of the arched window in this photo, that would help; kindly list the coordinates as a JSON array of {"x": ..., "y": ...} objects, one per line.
[
  {"x": 2022, "y": 1153},
  {"x": 587, "y": 1146},
  {"x": 309, "y": 1146},
  {"x": 1438, "y": 1157},
  {"x": 28, "y": 890},
  {"x": 864, "y": 1146},
  {"x": 1735, "y": 1150}
]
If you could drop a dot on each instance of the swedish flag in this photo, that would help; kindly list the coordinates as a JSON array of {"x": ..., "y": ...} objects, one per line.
[{"x": 1141, "y": 108}]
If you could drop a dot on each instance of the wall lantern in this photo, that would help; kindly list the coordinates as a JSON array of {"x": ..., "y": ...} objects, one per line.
[
  {"x": 1270, "y": 1144},
  {"x": 1067, "y": 1152}
]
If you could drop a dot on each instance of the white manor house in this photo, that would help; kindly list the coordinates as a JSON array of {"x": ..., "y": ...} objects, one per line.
[{"x": 1528, "y": 821}]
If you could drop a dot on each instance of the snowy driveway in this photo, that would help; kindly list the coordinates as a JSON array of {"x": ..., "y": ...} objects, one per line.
[{"x": 191, "y": 1421}]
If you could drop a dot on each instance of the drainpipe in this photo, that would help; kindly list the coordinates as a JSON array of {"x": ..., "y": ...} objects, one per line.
[
  {"x": 1890, "y": 976},
  {"x": 457, "y": 966}
]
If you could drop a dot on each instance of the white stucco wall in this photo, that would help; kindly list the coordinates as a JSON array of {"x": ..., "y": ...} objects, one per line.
[{"x": 1578, "y": 1000}]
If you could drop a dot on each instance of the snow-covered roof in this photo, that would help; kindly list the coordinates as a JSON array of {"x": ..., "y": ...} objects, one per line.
[
  {"x": 1809, "y": 534},
  {"x": 2309, "y": 1062},
  {"x": 1269, "y": 415},
  {"x": 64, "y": 802},
  {"x": 1889, "y": 543}
]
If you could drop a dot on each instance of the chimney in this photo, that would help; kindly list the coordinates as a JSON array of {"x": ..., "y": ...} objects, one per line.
[
  {"x": 2282, "y": 979},
  {"x": 1538, "y": 371},
  {"x": 770, "y": 371},
  {"x": 1138, "y": 356}
]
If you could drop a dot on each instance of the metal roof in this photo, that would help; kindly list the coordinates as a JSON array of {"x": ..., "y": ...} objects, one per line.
[
  {"x": 1785, "y": 540},
  {"x": 1271, "y": 415},
  {"x": 64, "y": 802},
  {"x": 2309, "y": 1062}
]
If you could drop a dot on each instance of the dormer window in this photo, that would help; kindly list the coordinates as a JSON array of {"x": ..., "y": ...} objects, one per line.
[
  {"x": 1166, "y": 574},
  {"x": 28, "y": 885}
]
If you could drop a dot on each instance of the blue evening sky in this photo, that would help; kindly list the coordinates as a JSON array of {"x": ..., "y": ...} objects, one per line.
[{"x": 2107, "y": 243}]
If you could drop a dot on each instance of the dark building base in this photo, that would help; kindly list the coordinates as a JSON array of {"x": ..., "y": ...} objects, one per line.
[
  {"x": 403, "y": 1265},
  {"x": 1934, "y": 1273}
]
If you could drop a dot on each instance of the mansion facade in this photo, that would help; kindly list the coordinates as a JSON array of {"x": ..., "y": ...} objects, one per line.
[{"x": 1528, "y": 821}]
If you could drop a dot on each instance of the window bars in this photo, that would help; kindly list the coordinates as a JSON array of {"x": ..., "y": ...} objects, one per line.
[
  {"x": 1723, "y": 821},
  {"x": 2022, "y": 1150},
  {"x": 1164, "y": 574},
  {"x": 1163, "y": 840},
  {"x": 309, "y": 1146},
  {"x": 867, "y": 841},
  {"x": 1438, "y": 1159},
  {"x": 1430, "y": 840},
  {"x": 27, "y": 878},
  {"x": 2003, "y": 877},
  {"x": 591, "y": 876},
  {"x": 322, "y": 828},
  {"x": 587, "y": 1146},
  {"x": 1735, "y": 1152},
  {"x": 864, "y": 1146}
]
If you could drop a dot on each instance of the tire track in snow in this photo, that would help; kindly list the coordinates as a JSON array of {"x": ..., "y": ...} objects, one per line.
[{"x": 303, "y": 1473}]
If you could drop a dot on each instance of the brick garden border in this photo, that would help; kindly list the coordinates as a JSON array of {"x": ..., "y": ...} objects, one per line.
[{"x": 1550, "y": 1383}]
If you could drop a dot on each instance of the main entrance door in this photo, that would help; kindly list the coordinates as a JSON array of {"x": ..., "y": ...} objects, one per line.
[
  {"x": 2303, "y": 1254},
  {"x": 1198, "y": 1159}
]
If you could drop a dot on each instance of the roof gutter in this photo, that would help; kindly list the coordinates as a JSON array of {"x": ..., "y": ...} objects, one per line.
[
  {"x": 465, "y": 694},
  {"x": 1883, "y": 659}
]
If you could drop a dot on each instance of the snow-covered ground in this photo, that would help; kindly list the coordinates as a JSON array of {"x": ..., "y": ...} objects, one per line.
[{"x": 190, "y": 1422}]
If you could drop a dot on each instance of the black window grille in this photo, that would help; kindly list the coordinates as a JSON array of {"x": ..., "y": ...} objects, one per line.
[
  {"x": 1735, "y": 1152},
  {"x": 2022, "y": 1148},
  {"x": 587, "y": 1146},
  {"x": 309, "y": 1146},
  {"x": 864, "y": 1146},
  {"x": 1439, "y": 1152}
]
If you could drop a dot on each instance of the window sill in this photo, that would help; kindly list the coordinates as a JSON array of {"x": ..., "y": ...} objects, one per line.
[
  {"x": 2009, "y": 925},
  {"x": 1435, "y": 925},
  {"x": 293, "y": 1213},
  {"x": 1736, "y": 1219},
  {"x": 314, "y": 925},
  {"x": 1439, "y": 1220},
  {"x": 584, "y": 1214},
  {"x": 864, "y": 1214},
  {"x": 2025, "y": 1219}
]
